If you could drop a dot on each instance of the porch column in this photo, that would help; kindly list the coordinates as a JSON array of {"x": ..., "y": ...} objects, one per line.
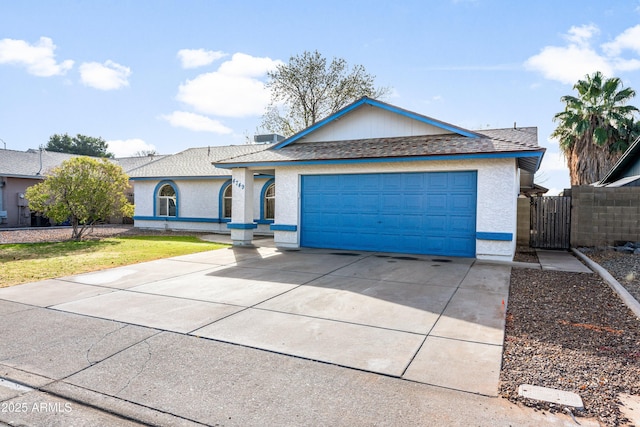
[{"x": 242, "y": 224}]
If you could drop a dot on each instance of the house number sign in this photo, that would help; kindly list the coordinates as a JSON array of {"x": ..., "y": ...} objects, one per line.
[{"x": 238, "y": 184}]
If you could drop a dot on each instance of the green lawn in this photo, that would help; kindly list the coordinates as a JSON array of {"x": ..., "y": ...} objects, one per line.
[{"x": 29, "y": 262}]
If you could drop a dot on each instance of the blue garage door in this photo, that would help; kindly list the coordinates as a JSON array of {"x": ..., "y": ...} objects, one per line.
[{"x": 422, "y": 213}]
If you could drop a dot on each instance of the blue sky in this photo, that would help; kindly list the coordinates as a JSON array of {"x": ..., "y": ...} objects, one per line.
[{"x": 169, "y": 75}]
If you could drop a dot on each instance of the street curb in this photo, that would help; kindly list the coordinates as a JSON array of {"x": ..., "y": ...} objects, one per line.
[{"x": 625, "y": 296}]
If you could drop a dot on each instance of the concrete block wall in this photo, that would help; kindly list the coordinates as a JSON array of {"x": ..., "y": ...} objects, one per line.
[
  {"x": 523, "y": 234},
  {"x": 602, "y": 216}
]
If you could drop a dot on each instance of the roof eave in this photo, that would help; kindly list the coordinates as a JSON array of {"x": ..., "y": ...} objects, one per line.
[
  {"x": 11, "y": 175},
  {"x": 531, "y": 166}
]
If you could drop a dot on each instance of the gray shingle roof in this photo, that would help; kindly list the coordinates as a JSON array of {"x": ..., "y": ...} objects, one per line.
[
  {"x": 130, "y": 163},
  {"x": 26, "y": 164},
  {"x": 491, "y": 141},
  {"x": 193, "y": 162}
]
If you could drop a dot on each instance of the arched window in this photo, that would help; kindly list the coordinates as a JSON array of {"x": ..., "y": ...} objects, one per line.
[
  {"x": 167, "y": 200},
  {"x": 226, "y": 202},
  {"x": 270, "y": 202}
]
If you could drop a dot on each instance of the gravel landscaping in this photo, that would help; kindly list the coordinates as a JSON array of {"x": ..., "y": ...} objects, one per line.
[
  {"x": 625, "y": 267},
  {"x": 570, "y": 331}
]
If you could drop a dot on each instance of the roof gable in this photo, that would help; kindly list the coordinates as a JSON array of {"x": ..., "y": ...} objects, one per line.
[
  {"x": 627, "y": 165},
  {"x": 423, "y": 125}
]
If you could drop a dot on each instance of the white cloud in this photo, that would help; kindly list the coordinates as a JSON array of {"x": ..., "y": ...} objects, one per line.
[
  {"x": 580, "y": 36},
  {"x": 568, "y": 64},
  {"x": 574, "y": 61},
  {"x": 193, "y": 58},
  {"x": 245, "y": 65},
  {"x": 107, "y": 76},
  {"x": 195, "y": 122},
  {"x": 128, "y": 147},
  {"x": 629, "y": 39},
  {"x": 234, "y": 90},
  {"x": 38, "y": 59}
]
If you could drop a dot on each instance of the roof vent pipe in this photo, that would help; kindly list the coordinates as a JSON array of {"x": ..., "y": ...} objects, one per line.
[{"x": 41, "y": 150}]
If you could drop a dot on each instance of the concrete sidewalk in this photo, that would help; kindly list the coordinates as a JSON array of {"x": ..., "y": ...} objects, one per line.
[
  {"x": 253, "y": 336},
  {"x": 558, "y": 260}
]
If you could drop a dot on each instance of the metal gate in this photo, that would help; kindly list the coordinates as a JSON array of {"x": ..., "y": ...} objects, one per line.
[{"x": 551, "y": 222}]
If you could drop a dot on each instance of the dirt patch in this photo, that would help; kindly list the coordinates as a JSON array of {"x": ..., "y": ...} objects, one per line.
[{"x": 525, "y": 254}]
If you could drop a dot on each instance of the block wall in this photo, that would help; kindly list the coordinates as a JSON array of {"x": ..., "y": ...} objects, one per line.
[{"x": 602, "y": 216}]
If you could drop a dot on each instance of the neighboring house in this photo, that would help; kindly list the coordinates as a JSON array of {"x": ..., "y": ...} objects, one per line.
[
  {"x": 528, "y": 188},
  {"x": 626, "y": 171},
  {"x": 377, "y": 177},
  {"x": 185, "y": 192},
  {"x": 20, "y": 170}
]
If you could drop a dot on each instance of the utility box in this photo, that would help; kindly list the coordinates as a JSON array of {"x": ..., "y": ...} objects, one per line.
[{"x": 22, "y": 201}]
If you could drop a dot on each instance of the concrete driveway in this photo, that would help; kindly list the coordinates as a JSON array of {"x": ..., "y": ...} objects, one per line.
[
  {"x": 427, "y": 319},
  {"x": 253, "y": 337}
]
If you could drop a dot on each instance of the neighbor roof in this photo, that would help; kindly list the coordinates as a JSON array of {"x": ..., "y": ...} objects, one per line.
[
  {"x": 520, "y": 143},
  {"x": 193, "y": 162},
  {"x": 130, "y": 163},
  {"x": 628, "y": 158},
  {"x": 26, "y": 164}
]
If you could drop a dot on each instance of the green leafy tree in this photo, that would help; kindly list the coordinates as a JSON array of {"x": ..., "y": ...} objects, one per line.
[
  {"x": 595, "y": 127},
  {"x": 80, "y": 144},
  {"x": 82, "y": 190},
  {"x": 308, "y": 89}
]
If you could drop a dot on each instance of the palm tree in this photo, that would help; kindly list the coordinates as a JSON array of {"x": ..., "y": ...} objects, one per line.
[{"x": 595, "y": 127}]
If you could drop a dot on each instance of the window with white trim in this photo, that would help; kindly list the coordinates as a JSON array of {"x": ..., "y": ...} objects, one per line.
[
  {"x": 270, "y": 202},
  {"x": 226, "y": 202},
  {"x": 167, "y": 201}
]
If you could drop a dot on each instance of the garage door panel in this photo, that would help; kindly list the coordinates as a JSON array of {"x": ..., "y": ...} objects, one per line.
[
  {"x": 365, "y": 182},
  {"x": 462, "y": 201},
  {"x": 403, "y": 243},
  {"x": 436, "y": 202},
  {"x": 461, "y": 181},
  {"x": 413, "y": 202},
  {"x": 391, "y": 202},
  {"x": 435, "y": 245},
  {"x": 413, "y": 181},
  {"x": 438, "y": 181},
  {"x": 357, "y": 220},
  {"x": 435, "y": 223},
  {"x": 430, "y": 212},
  {"x": 461, "y": 223},
  {"x": 458, "y": 245}
]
